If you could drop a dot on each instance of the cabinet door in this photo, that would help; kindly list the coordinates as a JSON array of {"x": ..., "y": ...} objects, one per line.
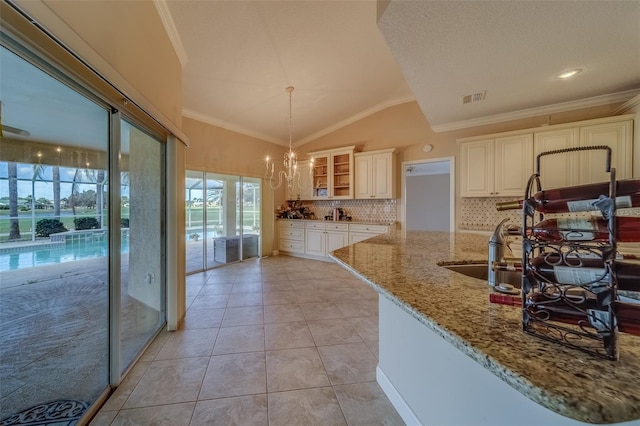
[
  {"x": 513, "y": 165},
  {"x": 341, "y": 175},
  {"x": 558, "y": 170},
  {"x": 336, "y": 240},
  {"x": 363, "y": 176},
  {"x": 320, "y": 184},
  {"x": 477, "y": 168},
  {"x": 382, "y": 177},
  {"x": 315, "y": 242},
  {"x": 305, "y": 189},
  {"x": 356, "y": 237},
  {"x": 618, "y": 136}
]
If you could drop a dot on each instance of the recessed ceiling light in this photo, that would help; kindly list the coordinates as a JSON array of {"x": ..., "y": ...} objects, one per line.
[{"x": 569, "y": 74}]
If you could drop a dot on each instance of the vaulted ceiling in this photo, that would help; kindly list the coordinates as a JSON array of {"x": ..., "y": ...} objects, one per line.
[{"x": 345, "y": 62}]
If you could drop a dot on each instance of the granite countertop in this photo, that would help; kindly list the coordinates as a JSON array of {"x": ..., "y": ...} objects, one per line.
[{"x": 457, "y": 307}]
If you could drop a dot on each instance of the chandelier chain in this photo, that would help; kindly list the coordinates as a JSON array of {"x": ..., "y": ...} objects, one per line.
[{"x": 290, "y": 174}]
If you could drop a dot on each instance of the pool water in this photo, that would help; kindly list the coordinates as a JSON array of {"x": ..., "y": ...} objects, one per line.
[{"x": 50, "y": 254}]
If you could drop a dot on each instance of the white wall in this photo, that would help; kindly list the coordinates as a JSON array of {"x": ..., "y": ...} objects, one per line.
[
  {"x": 430, "y": 382},
  {"x": 428, "y": 201}
]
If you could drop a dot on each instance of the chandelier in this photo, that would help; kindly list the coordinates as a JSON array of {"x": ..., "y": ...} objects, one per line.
[{"x": 290, "y": 174}]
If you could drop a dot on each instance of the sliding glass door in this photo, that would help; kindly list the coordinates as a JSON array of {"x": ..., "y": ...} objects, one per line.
[
  {"x": 249, "y": 202},
  {"x": 222, "y": 219},
  {"x": 82, "y": 281},
  {"x": 54, "y": 253},
  {"x": 142, "y": 289}
]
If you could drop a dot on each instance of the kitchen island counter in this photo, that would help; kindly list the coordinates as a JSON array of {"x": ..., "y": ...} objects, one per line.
[{"x": 404, "y": 268}]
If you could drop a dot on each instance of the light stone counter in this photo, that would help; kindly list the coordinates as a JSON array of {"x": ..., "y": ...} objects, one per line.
[{"x": 404, "y": 268}]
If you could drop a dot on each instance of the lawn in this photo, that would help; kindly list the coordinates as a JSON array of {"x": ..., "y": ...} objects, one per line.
[
  {"x": 195, "y": 215},
  {"x": 66, "y": 217}
]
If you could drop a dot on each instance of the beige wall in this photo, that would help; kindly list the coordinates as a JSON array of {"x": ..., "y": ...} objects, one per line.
[
  {"x": 405, "y": 128},
  {"x": 125, "y": 41},
  {"x": 214, "y": 149}
]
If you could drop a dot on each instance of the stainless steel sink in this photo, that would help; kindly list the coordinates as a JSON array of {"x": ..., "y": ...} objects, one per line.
[{"x": 481, "y": 272}]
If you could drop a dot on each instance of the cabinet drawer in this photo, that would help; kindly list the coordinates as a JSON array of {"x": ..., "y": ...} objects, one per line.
[
  {"x": 292, "y": 234},
  {"x": 286, "y": 224},
  {"x": 314, "y": 225},
  {"x": 292, "y": 246},
  {"x": 337, "y": 226},
  {"x": 374, "y": 229}
]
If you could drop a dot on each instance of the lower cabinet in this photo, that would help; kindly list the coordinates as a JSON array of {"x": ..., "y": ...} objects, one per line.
[
  {"x": 317, "y": 239},
  {"x": 336, "y": 240},
  {"x": 361, "y": 232},
  {"x": 291, "y": 235},
  {"x": 323, "y": 238},
  {"x": 315, "y": 242}
]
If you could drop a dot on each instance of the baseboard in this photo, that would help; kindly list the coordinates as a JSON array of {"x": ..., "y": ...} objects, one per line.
[
  {"x": 396, "y": 399},
  {"x": 307, "y": 256}
]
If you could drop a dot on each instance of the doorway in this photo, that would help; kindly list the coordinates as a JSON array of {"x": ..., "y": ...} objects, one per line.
[
  {"x": 223, "y": 222},
  {"x": 429, "y": 194}
]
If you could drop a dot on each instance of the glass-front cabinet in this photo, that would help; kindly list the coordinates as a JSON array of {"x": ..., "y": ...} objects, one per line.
[
  {"x": 333, "y": 174},
  {"x": 321, "y": 176}
]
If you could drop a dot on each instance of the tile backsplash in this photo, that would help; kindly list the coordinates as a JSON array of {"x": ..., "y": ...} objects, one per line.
[
  {"x": 480, "y": 214},
  {"x": 359, "y": 210}
]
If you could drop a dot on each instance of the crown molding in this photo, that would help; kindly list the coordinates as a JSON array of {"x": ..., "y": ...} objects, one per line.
[
  {"x": 214, "y": 122},
  {"x": 247, "y": 132},
  {"x": 171, "y": 30},
  {"x": 545, "y": 110},
  {"x": 628, "y": 106},
  {"x": 354, "y": 118}
]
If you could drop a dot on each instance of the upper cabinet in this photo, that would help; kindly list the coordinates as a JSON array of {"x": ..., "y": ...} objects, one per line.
[
  {"x": 556, "y": 171},
  {"x": 375, "y": 174},
  {"x": 619, "y": 137},
  {"x": 303, "y": 188},
  {"x": 501, "y": 164},
  {"x": 584, "y": 167},
  {"x": 332, "y": 176},
  {"x": 496, "y": 167}
]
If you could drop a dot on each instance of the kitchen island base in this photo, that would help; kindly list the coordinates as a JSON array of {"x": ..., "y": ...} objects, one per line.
[{"x": 431, "y": 382}]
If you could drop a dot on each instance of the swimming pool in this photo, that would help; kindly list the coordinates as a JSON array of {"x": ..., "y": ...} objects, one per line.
[{"x": 38, "y": 255}]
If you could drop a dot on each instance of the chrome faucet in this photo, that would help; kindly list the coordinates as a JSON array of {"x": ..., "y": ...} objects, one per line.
[{"x": 497, "y": 246}]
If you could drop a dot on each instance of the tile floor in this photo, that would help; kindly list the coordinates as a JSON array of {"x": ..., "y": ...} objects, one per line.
[{"x": 273, "y": 341}]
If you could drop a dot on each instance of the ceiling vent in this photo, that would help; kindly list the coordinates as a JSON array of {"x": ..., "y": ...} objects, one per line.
[{"x": 476, "y": 97}]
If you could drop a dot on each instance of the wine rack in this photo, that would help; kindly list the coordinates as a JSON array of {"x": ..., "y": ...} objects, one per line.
[{"x": 564, "y": 298}]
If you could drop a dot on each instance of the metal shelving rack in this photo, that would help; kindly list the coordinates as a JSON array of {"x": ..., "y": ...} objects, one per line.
[{"x": 579, "y": 315}]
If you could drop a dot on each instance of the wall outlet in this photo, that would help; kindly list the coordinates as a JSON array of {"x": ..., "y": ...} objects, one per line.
[{"x": 387, "y": 209}]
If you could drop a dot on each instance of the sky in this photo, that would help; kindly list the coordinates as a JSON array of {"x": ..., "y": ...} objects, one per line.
[{"x": 44, "y": 187}]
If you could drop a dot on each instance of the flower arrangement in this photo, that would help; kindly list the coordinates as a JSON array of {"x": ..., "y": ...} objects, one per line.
[{"x": 294, "y": 210}]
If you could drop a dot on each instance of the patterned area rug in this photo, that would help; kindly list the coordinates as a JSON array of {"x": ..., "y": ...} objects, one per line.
[{"x": 58, "y": 413}]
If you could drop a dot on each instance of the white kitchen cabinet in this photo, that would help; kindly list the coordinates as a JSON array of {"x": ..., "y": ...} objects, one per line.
[
  {"x": 477, "y": 168},
  {"x": 291, "y": 236},
  {"x": 496, "y": 167},
  {"x": 315, "y": 242},
  {"x": 616, "y": 135},
  {"x": 361, "y": 232},
  {"x": 316, "y": 239},
  {"x": 583, "y": 167},
  {"x": 556, "y": 170},
  {"x": 322, "y": 238},
  {"x": 337, "y": 236},
  {"x": 303, "y": 188},
  {"x": 332, "y": 176},
  {"x": 375, "y": 174}
]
